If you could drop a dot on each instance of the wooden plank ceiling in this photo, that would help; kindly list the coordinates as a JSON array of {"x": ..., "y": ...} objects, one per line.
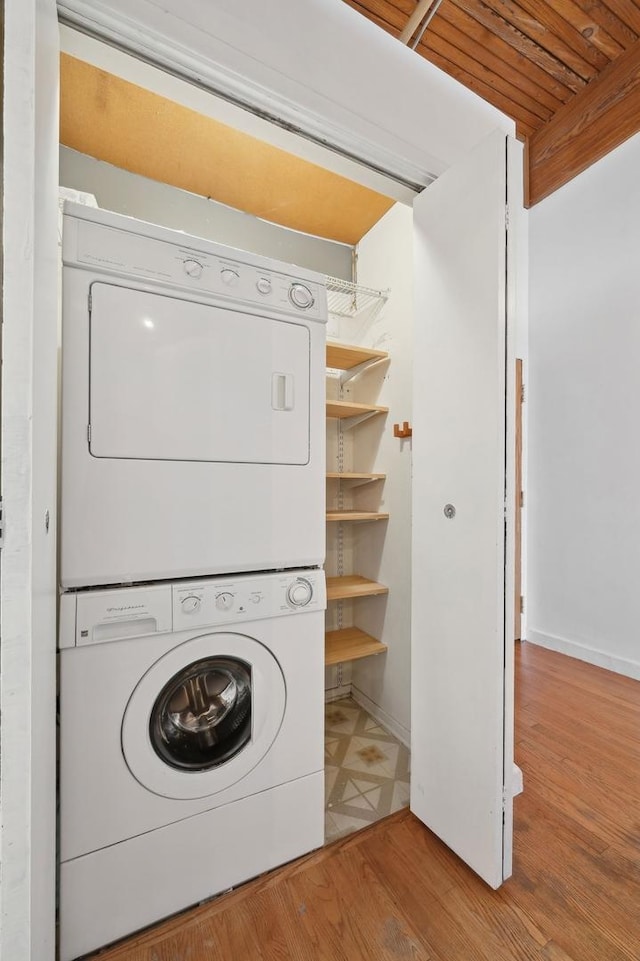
[{"x": 567, "y": 71}]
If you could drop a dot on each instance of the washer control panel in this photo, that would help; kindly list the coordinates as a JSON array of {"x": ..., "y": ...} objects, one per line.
[{"x": 246, "y": 597}]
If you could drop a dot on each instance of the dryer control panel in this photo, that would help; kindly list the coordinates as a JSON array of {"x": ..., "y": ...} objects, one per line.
[
  {"x": 247, "y": 597},
  {"x": 122, "y": 246}
]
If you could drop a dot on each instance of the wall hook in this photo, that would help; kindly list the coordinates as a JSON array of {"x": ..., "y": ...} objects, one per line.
[{"x": 404, "y": 431}]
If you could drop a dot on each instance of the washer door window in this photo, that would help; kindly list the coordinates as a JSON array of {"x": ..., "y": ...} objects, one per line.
[{"x": 203, "y": 716}]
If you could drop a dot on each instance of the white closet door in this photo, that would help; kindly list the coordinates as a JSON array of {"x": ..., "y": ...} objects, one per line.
[
  {"x": 28, "y": 428},
  {"x": 462, "y": 701}
]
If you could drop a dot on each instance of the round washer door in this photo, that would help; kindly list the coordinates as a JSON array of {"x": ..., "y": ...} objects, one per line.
[{"x": 203, "y": 716}]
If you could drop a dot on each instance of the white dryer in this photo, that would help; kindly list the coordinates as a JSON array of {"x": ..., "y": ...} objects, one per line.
[
  {"x": 193, "y": 437},
  {"x": 191, "y": 744}
]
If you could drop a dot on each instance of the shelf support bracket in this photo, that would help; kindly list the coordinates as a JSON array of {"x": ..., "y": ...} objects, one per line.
[
  {"x": 348, "y": 375},
  {"x": 362, "y": 481},
  {"x": 347, "y": 423}
]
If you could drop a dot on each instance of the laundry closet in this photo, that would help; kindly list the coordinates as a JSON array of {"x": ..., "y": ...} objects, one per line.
[{"x": 373, "y": 535}]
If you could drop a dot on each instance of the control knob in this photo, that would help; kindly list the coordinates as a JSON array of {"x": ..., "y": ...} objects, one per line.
[
  {"x": 299, "y": 593},
  {"x": 191, "y": 604},
  {"x": 300, "y": 296},
  {"x": 193, "y": 268},
  {"x": 229, "y": 277},
  {"x": 224, "y": 601}
]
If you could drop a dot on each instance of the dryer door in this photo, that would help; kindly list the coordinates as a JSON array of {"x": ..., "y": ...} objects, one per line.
[
  {"x": 203, "y": 716},
  {"x": 171, "y": 379}
]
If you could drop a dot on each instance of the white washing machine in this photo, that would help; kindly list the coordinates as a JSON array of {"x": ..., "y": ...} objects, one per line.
[
  {"x": 193, "y": 406},
  {"x": 191, "y": 744}
]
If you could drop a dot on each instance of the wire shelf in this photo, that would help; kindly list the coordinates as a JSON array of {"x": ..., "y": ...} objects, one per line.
[{"x": 345, "y": 299}]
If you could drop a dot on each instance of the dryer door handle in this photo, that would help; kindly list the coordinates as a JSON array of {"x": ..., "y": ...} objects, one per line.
[{"x": 282, "y": 391}]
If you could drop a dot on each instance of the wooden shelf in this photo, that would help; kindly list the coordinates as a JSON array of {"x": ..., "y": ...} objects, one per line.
[
  {"x": 349, "y": 644},
  {"x": 355, "y": 479},
  {"x": 347, "y": 356},
  {"x": 352, "y": 585},
  {"x": 338, "y": 516},
  {"x": 345, "y": 408}
]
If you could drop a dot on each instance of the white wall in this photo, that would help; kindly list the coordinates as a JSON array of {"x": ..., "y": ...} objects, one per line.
[
  {"x": 583, "y": 405},
  {"x": 382, "y": 550}
]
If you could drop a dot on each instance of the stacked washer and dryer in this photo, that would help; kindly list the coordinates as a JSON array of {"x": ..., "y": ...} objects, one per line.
[{"x": 192, "y": 534}]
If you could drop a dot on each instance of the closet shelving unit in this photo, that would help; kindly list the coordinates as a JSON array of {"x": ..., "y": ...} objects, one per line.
[
  {"x": 348, "y": 586},
  {"x": 355, "y": 480},
  {"x": 352, "y": 301},
  {"x": 349, "y": 644},
  {"x": 351, "y": 414},
  {"x": 341, "y": 515}
]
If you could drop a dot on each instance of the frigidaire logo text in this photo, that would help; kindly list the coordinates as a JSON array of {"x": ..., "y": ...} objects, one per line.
[{"x": 126, "y": 607}]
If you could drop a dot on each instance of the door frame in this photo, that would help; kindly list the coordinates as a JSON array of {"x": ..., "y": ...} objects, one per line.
[
  {"x": 519, "y": 495},
  {"x": 29, "y": 441}
]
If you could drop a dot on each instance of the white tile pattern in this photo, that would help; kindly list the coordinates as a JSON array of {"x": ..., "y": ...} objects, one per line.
[{"x": 366, "y": 773}]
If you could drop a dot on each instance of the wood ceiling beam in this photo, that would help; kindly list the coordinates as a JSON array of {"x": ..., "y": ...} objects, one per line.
[
  {"x": 595, "y": 121},
  {"x": 416, "y": 18}
]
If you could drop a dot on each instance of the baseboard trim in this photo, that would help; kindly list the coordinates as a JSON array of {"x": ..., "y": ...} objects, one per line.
[
  {"x": 583, "y": 652},
  {"x": 388, "y": 722},
  {"x": 337, "y": 693}
]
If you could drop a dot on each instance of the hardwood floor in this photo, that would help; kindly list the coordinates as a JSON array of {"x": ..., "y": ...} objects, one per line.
[{"x": 393, "y": 891}]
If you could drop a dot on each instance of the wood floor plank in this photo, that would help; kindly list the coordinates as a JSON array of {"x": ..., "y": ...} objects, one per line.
[
  {"x": 553, "y": 952},
  {"x": 460, "y": 917},
  {"x": 384, "y": 932},
  {"x": 544, "y": 740},
  {"x": 608, "y": 709},
  {"x": 395, "y": 891},
  {"x": 584, "y": 807},
  {"x": 593, "y": 888},
  {"x": 552, "y": 821}
]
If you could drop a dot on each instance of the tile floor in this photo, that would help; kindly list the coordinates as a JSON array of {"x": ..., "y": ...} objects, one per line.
[{"x": 366, "y": 770}]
